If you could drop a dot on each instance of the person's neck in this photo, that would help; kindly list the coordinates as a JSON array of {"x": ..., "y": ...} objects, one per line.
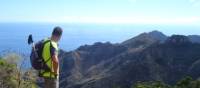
[{"x": 53, "y": 39}]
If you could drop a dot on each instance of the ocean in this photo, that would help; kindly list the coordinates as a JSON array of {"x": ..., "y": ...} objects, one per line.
[{"x": 13, "y": 36}]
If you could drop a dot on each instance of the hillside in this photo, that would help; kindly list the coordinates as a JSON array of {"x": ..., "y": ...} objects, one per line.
[{"x": 147, "y": 57}]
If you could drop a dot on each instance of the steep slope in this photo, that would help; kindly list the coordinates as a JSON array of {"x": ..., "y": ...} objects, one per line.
[
  {"x": 145, "y": 39},
  {"x": 143, "y": 58}
]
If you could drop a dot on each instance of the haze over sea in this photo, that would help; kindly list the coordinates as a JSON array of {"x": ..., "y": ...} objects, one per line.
[{"x": 13, "y": 36}]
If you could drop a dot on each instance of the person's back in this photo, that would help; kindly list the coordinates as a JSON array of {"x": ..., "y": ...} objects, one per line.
[{"x": 50, "y": 56}]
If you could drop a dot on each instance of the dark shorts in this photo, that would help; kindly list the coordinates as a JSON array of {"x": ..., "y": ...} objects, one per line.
[{"x": 51, "y": 83}]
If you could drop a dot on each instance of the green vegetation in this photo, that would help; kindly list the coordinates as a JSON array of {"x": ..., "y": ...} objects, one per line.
[
  {"x": 157, "y": 84},
  {"x": 186, "y": 82},
  {"x": 12, "y": 75}
]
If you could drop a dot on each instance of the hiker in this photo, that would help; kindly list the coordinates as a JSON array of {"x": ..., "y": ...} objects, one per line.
[
  {"x": 50, "y": 56},
  {"x": 44, "y": 58}
]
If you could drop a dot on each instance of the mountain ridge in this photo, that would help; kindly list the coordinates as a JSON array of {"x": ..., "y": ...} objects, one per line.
[{"x": 147, "y": 57}]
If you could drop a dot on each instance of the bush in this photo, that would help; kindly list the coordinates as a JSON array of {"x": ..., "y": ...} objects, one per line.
[
  {"x": 186, "y": 82},
  {"x": 157, "y": 84},
  {"x": 7, "y": 72},
  {"x": 12, "y": 75}
]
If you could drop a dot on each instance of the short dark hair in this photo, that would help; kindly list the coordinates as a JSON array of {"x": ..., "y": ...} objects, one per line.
[{"x": 57, "y": 31}]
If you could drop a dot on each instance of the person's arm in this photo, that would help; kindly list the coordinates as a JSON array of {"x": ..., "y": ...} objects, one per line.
[{"x": 55, "y": 64}]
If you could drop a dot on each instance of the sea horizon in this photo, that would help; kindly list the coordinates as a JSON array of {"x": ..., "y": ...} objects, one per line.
[{"x": 14, "y": 35}]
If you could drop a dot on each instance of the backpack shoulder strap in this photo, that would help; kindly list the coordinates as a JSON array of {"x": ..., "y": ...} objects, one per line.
[
  {"x": 46, "y": 42},
  {"x": 43, "y": 45}
]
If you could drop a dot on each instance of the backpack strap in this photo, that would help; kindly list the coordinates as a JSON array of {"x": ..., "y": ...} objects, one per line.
[
  {"x": 43, "y": 49},
  {"x": 50, "y": 52},
  {"x": 43, "y": 71},
  {"x": 45, "y": 62},
  {"x": 46, "y": 42}
]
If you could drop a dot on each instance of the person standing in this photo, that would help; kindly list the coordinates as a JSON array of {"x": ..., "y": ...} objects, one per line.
[{"x": 50, "y": 56}]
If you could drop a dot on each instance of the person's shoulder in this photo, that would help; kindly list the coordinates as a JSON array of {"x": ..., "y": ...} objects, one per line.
[{"x": 54, "y": 45}]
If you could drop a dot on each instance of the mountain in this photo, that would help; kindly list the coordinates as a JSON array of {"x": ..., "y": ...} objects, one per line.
[
  {"x": 194, "y": 38},
  {"x": 149, "y": 56},
  {"x": 145, "y": 39},
  {"x": 158, "y": 35}
]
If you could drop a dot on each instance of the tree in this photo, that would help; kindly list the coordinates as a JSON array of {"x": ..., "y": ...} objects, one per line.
[{"x": 12, "y": 75}]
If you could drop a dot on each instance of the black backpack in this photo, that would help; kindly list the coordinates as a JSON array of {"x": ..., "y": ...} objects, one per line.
[{"x": 36, "y": 58}]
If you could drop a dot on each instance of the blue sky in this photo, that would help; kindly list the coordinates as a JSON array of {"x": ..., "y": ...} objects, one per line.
[{"x": 102, "y": 11}]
